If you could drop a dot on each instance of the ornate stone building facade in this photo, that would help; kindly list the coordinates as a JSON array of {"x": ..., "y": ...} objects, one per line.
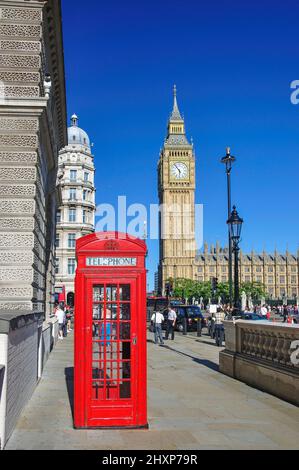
[
  {"x": 279, "y": 273},
  {"x": 76, "y": 216},
  {"x": 32, "y": 131},
  {"x": 178, "y": 259},
  {"x": 176, "y": 176}
]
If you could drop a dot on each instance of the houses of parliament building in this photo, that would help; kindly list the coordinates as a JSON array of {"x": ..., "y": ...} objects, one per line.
[
  {"x": 277, "y": 272},
  {"x": 179, "y": 258}
]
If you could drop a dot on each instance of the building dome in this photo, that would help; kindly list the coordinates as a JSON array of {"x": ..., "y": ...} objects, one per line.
[{"x": 76, "y": 135}]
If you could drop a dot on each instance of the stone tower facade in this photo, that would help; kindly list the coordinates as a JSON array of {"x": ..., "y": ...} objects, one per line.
[
  {"x": 76, "y": 216},
  {"x": 176, "y": 176}
]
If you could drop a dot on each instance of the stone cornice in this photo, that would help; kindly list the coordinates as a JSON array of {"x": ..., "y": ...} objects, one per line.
[
  {"x": 34, "y": 107},
  {"x": 22, "y": 3},
  {"x": 16, "y": 320},
  {"x": 76, "y": 149},
  {"x": 53, "y": 15},
  {"x": 23, "y": 106}
]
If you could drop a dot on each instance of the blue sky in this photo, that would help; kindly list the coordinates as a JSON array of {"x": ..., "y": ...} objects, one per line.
[{"x": 232, "y": 64}]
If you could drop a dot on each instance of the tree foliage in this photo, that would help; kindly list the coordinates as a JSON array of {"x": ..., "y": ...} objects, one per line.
[
  {"x": 189, "y": 289},
  {"x": 254, "y": 289}
]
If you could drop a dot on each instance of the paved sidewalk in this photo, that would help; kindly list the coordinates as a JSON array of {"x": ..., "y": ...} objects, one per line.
[{"x": 191, "y": 406}]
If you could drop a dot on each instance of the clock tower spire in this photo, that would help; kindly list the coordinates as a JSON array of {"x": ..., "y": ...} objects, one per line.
[
  {"x": 176, "y": 175},
  {"x": 176, "y": 124}
]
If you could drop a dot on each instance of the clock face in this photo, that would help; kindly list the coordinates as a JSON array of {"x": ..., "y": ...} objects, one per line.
[{"x": 179, "y": 170}]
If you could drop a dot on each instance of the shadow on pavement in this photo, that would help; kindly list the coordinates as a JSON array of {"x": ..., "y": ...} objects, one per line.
[
  {"x": 210, "y": 343},
  {"x": 69, "y": 378},
  {"x": 202, "y": 362},
  {"x": 151, "y": 341}
]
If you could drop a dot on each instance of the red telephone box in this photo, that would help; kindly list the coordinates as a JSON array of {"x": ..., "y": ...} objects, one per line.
[{"x": 110, "y": 332}]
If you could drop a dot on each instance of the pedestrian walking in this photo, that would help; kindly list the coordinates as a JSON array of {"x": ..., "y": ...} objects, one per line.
[
  {"x": 60, "y": 314},
  {"x": 212, "y": 326},
  {"x": 219, "y": 327},
  {"x": 157, "y": 320},
  {"x": 264, "y": 311},
  {"x": 68, "y": 315},
  {"x": 65, "y": 329},
  {"x": 171, "y": 322},
  {"x": 285, "y": 313}
]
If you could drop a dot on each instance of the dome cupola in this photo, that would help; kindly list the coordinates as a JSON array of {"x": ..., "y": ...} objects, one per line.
[{"x": 76, "y": 135}]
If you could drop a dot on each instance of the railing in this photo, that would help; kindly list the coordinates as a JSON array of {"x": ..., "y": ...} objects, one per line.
[
  {"x": 264, "y": 355},
  {"x": 271, "y": 342}
]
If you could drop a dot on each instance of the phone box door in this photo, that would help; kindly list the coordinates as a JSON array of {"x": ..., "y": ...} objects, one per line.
[{"x": 110, "y": 334}]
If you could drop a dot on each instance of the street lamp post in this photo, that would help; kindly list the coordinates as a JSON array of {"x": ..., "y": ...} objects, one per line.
[
  {"x": 174, "y": 276},
  {"x": 228, "y": 160},
  {"x": 235, "y": 227}
]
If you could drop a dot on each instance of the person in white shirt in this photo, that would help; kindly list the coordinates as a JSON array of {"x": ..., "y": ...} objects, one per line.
[
  {"x": 157, "y": 320},
  {"x": 172, "y": 317},
  {"x": 60, "y": 314},
  {"x": 218, "y": 326},
  {"x": 264, "y": 311}
]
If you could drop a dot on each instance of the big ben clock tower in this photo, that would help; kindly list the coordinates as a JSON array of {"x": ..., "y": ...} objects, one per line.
[{"x": 176, "y": 175}]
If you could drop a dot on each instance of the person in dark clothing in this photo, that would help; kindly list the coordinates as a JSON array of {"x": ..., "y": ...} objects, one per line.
[
  {"x": 285, "y": 313},
  {"x": 219, "y": 327},
  {"x": 171, "y": 321}
]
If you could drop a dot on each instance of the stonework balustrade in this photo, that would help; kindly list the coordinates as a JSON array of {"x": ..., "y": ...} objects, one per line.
[{"x": 265, "y": 355}]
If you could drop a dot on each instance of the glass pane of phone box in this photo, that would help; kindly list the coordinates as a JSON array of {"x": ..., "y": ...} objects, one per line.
[{"x": 112, "y": 390}]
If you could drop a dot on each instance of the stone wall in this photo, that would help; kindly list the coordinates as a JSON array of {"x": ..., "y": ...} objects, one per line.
[
  {"x": 3, "y": 386},
  {"x": 20, "y": 343},
  {"x": 263, "y": 355},
  {"x": 48, "y": 341},
  {"x": 32, "y": 131},
  {"x": 22, "y": 370},
  {"x": 19, "y": 156}
]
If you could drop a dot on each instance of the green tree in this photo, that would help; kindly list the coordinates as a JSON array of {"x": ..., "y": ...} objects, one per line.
[
  {"x": 189, "y": 289},
  {"x": 254, "y": 289},
  {"x": 223, "y": 291},
  {"x": 203, "y": 290},
  {"x": 184, "y": 288}
]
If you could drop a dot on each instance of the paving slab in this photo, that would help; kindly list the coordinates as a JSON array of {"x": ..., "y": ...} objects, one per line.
[{"x": 190, "y": 406}]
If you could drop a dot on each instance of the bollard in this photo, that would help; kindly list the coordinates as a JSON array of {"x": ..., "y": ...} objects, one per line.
[
  {"x": 199, "y": 328},
  {"x": 185, "y": 330}
]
